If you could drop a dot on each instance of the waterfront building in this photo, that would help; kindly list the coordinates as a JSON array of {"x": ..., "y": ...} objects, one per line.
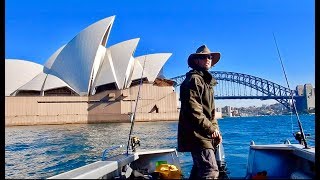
[
  {"x": 226, "y": 111},
  {"x": 299, "y": 90},
  {"x": 305, "y": 101},
  {"x": 86, "y": 81},
  {"x": 218, "y": 113},
  {"x": 310, "y": 96}
]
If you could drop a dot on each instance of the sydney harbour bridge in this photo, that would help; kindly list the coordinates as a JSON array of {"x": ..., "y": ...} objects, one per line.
[{"x": 233, "y": 85}]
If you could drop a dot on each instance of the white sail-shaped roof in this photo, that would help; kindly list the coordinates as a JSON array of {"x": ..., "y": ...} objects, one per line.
[
  {"x": 118, "y": 64},
  {"x": 19, "y": 72},
  {"x": 53, "y": 57},
  {"x": 137, "y": 71},
  {"x": 53, "y": 82},
  {"x": 153, "y": 65},
  {"x": 129, "y": 74},
  {"x": 74, "y": 64},
  {"x": 123, "y": 61},
  {"x": 106, "y": 73},
  {"x": 84, "y": 63},
  {"x": 44, "y": 82},
  {"x": 35, "y": 84},
  {"x": 97, "y": 65}
]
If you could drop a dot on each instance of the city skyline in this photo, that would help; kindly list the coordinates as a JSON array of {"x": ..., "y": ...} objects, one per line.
[{"x": 241, "y": 31}]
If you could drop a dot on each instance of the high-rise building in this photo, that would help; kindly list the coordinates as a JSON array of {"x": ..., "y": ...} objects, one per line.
[{"x": 305, "y": 101}]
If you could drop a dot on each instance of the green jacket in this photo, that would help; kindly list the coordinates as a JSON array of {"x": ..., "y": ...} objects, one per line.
[{"x": 196, "y": 119}]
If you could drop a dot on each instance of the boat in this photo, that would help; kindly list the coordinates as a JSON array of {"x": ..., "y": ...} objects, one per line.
[
  {"x": 282, "y": 161},
  {"x": 266, "y": 161},
  {"x": 142, "y": 164},
  {"x": 138, "y": 164}
]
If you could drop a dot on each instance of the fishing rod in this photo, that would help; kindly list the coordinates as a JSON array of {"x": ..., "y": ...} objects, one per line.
[
  {"x": 133, "y": 115},
  {"x": 293, "y": 102}
]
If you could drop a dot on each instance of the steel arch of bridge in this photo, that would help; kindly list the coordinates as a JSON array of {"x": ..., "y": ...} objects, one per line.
[{"x": 268, "y": 88}]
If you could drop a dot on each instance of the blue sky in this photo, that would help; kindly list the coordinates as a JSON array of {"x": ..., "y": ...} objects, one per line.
[{"x": 241, "y": 30}]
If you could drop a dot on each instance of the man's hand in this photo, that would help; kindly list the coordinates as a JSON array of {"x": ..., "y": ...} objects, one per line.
[{"x": 216, "y": 136}]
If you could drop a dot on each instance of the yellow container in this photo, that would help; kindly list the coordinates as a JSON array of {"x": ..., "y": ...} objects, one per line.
[{"x": 168, "y": 171}]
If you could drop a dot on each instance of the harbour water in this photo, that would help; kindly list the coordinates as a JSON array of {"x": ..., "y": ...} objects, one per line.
[{"x": 38, "y": 152}]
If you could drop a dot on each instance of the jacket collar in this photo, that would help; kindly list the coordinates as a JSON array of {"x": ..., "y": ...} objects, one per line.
[{"x": 204, "y": 74}]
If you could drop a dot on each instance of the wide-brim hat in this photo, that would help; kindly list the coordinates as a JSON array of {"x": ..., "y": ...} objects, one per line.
[{"x": 204, "y": 50}]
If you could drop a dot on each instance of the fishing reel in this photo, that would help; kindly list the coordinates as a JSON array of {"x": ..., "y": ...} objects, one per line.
[
  {"x": 299, "y": 138},
  {"x": 134, "y": 142}
]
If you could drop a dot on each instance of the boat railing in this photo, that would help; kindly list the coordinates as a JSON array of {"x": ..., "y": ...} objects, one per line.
[{"x": 100, "y": 169}]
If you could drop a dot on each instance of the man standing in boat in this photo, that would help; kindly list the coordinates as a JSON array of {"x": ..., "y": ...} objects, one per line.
[{"x": 198, "y": 130}]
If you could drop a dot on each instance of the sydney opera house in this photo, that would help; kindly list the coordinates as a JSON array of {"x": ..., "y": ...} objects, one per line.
[{"x": 86, "y": 81}]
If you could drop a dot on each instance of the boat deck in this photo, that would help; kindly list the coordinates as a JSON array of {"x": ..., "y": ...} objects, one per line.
[{"x": 281, "y": 161}]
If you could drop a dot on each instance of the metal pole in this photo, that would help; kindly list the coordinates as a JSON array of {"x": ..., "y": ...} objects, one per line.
[
  {"x": 293, "y": 102},
  {"x": 133, "y": 115}
]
